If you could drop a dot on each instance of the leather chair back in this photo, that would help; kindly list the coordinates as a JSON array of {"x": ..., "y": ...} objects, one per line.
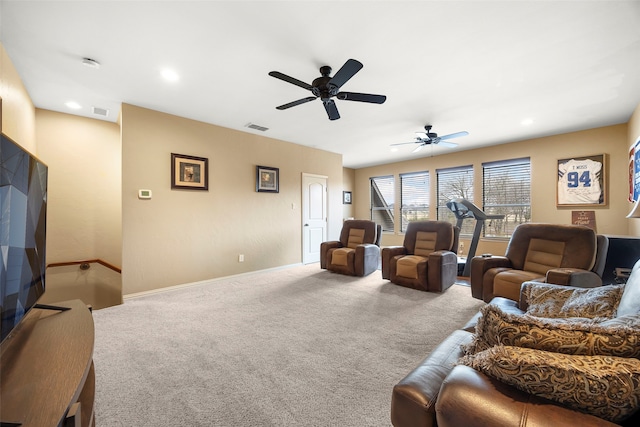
[{"x": 541, "y": 247}]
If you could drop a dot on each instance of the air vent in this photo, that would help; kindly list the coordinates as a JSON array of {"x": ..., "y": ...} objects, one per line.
[
  {"x": 103, "y": 112},
  {"x": 256, "y": 127}
]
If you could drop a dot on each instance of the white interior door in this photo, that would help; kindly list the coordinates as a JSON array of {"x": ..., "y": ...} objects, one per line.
[{"x": 314, "y": 216}]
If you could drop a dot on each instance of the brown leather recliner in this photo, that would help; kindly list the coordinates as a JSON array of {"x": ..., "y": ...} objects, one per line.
[
  {"x": 427, "y": 260},
  {"x": 553, "y": 253},
  {"x": 357, "y": 253}
]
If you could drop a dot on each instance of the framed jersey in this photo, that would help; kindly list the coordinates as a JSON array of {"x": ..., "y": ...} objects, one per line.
[{"x": 582, "y": 181}]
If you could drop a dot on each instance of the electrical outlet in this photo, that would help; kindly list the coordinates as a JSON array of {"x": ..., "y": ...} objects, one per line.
[{"x": 241, "y": 258}]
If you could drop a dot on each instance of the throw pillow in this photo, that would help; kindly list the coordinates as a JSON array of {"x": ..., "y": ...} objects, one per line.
[
  {"x": 630, "y": 301},
  {"x": 547, "y": 300},
  {"x": 614, "y": 337},
  {"x": 605, "y": 386}
]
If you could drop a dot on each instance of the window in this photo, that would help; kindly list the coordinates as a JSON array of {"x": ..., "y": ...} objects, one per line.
[
  {"x": 507, "y": 191},
  {"x": 382, "y": 201},
  {"x": 414, "y": 194},
  {"x": 455, "y": 183}
]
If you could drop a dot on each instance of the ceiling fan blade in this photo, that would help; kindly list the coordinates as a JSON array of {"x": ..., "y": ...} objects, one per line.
[
  {"x": 348, "y": 70},
  {"x": 362, "y": 97},
  {"x": 332, "y": 110},
  {"x": 418, "y": 148},
  {"x": 289, "y": 79},
  {"x": 405, "y": 143},
  {"x": 455, "y": 135},
  {"x": 294, "y": 103},
  {"x": 447, "y": 144}
]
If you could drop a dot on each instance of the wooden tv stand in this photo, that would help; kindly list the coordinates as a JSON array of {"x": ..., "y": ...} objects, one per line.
[{"x": 47, "y": 373}]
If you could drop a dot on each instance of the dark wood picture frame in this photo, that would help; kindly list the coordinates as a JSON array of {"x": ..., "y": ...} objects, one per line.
[
  {"x": 346, "y": 197},
  {"x": 189, "y": 172},
  {"x": 267, "y": 179},
  {"x": 582, "y": 181}
]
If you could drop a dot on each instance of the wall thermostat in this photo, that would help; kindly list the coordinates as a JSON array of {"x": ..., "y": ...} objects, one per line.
[{"x": 144, "y": 194}]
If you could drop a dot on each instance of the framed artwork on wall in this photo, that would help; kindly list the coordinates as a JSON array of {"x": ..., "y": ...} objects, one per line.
[
  {"x": 267, "y": 179},
  {"x": 189, "y": 172},
  {"x": 634, "y": 171},
  {"x": 346, "y": 197},
  {"x": 582, "y": 181}
]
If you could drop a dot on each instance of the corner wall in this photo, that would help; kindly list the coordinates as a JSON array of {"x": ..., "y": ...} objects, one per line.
[
  {"x": 84, "y": 214},
  {"x": 184, "y": 236}
]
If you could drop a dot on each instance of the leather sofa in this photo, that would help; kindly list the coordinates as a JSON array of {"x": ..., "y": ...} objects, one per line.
[{"x": 441, "y": 392}]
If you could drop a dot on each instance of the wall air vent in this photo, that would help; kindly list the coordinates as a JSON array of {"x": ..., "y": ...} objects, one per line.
[
  {"x": 102, "y": 112},
  {"x": 256, "y": 127}
]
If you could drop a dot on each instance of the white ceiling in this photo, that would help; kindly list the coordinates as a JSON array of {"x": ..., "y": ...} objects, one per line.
[{"x": 479, "y": 66}]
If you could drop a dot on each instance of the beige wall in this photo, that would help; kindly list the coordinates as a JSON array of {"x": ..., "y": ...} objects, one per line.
[
  {"x": 544, "y": 152},
  {"x": 18, "y": 113},
  {"x": 84, "y": 213},
  {"x": 183, "y": 236},
  {"x": 348, "y": 184}
]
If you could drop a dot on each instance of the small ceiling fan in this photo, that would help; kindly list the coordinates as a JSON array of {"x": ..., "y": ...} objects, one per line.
[
  {"x": 326, "y": 87},
  {"x": 428, "y": 138}
]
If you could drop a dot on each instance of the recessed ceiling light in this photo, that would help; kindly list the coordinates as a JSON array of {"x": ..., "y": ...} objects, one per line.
[
  {"x": 170, "y": 75},
  {"x": 73, "y": 105},
  {"x": 393, "y": 149},
  {"x": 526, "y": 122}
]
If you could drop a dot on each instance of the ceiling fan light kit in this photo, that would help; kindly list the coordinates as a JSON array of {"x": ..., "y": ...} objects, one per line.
[{"x": 326, "y": 88}]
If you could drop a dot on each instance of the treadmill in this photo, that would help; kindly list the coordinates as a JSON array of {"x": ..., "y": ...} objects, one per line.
[{"x": 464, "y": 209}]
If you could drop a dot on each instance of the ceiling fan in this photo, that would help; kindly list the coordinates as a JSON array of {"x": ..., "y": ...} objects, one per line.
[
  {"x": 428, "y": 138},
  {"x": 326, "y": 87}
]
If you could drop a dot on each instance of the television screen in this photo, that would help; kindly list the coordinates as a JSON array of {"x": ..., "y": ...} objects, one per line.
[{"x": 23, "y": 209}]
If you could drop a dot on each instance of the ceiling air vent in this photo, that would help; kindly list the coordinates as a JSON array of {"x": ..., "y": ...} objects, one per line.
[
  {"x": 256, "y": 127},
  {"x": 103, "y": 112}
]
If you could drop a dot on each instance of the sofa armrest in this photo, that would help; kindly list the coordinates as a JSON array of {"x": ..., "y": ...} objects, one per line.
[
  {"x": 442, "y": 270},
  {"x": 479, "y": 266},
  {"x": 471, "y": 399},
  {"x": 324, "y": 249},
  {"x": 413, "y": 400},
  {"x": 367, "y": 258},
  {"x": 388, "y": 253},
  {"x": 574, "y": 277}
]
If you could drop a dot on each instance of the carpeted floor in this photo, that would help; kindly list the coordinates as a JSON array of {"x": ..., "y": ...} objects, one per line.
[{"x": 293, "y": 347}]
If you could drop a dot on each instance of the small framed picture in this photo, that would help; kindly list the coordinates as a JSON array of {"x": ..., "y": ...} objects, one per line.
[
  {"x": 582, "y": 181},
  {"x": 267, "y": 179},
  {"x": 346, "y": 197},
  {"x": 189, "y": 172}
]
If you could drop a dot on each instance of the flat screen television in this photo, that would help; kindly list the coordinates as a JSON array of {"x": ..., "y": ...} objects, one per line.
[{"x": 23, "y": 210}]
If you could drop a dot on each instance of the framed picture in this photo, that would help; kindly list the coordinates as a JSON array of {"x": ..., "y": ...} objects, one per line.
[
  {"x": 582, "y": 181},
  {"x": 267, "y": 179},
  {"x": 346, "y": 197},
  {"x": 189, "y": 172}
]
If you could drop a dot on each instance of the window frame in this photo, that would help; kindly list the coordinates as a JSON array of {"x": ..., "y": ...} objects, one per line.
[
  {"x": 496, "y": 170},
  {"x": 386, "y": 217},
  {"x": 407, "y": 178}
]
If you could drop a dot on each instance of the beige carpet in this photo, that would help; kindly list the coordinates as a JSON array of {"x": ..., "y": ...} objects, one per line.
[{"x": 295, "y": 347}]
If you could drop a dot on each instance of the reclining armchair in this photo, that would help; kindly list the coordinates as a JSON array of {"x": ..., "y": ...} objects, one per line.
[
  {"x": 554, "y": 253},
  {"x": 427, "y": 260},
  {"x": 357, "y": 253}
]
